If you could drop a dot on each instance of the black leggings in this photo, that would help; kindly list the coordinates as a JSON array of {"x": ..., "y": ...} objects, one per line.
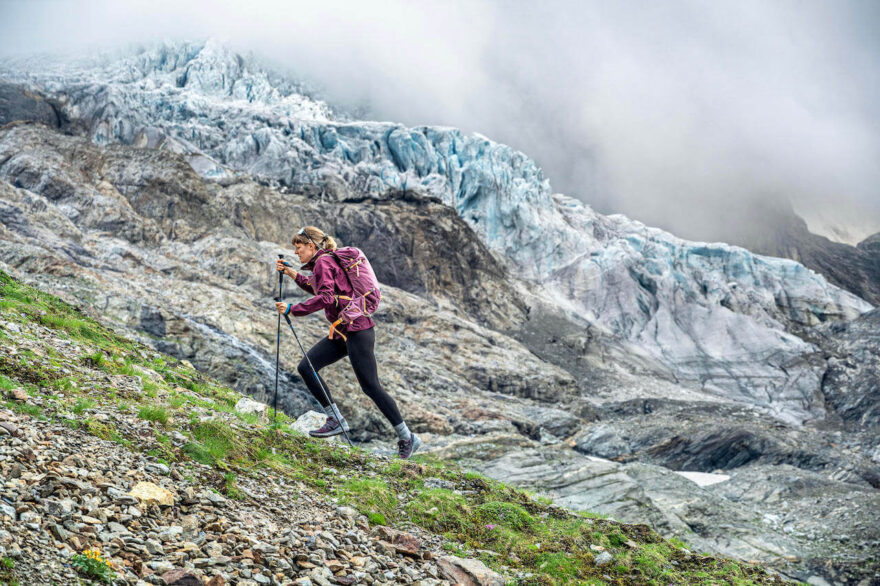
[{"x": 359, "y": 350}]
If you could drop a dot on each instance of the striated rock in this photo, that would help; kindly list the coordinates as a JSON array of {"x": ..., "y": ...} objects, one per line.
[
  {"x": 468, "y": 572},
  {"x": 851, "y": 385}
]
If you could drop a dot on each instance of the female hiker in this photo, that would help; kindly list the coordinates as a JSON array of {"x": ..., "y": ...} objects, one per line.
[{"x": 332, "y": 287}]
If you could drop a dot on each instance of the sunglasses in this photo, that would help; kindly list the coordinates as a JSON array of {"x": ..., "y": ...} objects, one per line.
[{"x": 304, "y": 233}]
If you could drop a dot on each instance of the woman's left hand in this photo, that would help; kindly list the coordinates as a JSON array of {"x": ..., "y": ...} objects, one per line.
[{"x": 281, "y": 307}]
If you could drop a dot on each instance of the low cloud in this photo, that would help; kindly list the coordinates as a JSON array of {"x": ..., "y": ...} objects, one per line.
[{"x": 682, "y": 115}]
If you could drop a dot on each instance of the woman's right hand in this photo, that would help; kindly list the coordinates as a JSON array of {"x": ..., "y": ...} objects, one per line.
[{"x": 279, "y": 265}]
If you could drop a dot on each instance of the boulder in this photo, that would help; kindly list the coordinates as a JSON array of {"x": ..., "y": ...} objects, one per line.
[
  {"x": 250, "y": 407},
  {"x": 147, "y": 493}
]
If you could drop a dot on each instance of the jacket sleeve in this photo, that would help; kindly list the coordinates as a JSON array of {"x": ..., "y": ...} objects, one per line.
[
  {"x": 304, "y": 283},
  {"x": 323, "y": 283}
]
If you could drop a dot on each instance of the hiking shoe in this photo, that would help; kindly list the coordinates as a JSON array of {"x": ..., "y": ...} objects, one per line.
[
  {"x": 406, "y": 448},
  {"x": 330, "y": 428}
]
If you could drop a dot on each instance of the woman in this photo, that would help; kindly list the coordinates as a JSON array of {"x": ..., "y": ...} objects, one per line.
[{"x": 356, "y": 341}]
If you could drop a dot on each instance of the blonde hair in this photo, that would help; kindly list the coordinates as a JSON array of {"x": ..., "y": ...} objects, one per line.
[{"x": 316, "y": 236}]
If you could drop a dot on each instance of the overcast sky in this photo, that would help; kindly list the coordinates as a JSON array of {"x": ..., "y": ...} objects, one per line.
[{"x": 680, "y": 114}]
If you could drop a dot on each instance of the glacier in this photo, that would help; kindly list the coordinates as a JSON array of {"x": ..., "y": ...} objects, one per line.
[{"x": 708, "y": 314}]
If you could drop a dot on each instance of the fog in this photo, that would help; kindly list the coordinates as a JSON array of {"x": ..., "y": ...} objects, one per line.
[{"x": 686, "y": 115}]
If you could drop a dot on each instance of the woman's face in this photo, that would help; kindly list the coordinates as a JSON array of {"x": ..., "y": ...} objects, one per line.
[{"x": 305, "y": 252}]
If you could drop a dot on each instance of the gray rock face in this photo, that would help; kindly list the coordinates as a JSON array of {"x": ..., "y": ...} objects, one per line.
[
  {"x": 852, "y": 382},
  {"x": 16, "y": 103},
  {"x": 782, "y": 515}
]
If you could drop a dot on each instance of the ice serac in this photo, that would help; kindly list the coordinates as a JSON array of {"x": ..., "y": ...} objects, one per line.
[{"x": 707, "y": 314}]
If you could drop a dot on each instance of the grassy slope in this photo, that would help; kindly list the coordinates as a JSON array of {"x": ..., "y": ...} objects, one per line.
[{"x": 483, "y": 518}]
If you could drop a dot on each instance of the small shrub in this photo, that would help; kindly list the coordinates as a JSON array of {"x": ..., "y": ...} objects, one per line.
[
  {"x": 96, "y": 360},
  {"x": 91, "y": 564},
  {"x": 101, "y": 430},
  {"x": 64, "y": 384}
]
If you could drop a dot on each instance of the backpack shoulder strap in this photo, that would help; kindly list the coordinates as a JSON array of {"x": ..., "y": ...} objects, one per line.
[{"x": 344, "y": 272}]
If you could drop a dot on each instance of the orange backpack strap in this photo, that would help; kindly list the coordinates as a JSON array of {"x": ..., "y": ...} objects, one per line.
[{"x": 333, "y": 329}]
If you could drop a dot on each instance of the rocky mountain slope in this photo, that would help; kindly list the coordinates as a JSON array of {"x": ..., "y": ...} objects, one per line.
[
  {"x": 108, "y": 446},
  {"x": 519, "y": 327}
]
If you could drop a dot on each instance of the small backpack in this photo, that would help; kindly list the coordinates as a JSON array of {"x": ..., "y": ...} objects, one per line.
[{"x": 364, "y": 300}]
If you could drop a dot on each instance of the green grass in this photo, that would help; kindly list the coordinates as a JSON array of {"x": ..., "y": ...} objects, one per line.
[
  {"x": 82, "y": 404},
  {"x": 216, "y": 444},
  {"x": 6, "y": 383},
  {"x": 440, "y": 510},
  {"x": 77, "y": 328},
  {"x": 230, "y": 486},
  {"x": 151, "y": 389},
  {"x": 509, "y": 515},
  {"x": 371, "y": 496},
  {"x": 65, "y": 384},
  {"x": 157, "y": 413},
  {"x": 559, "y": 564},
  {"x": 25, "y": 408},
  {"x": 7, "y": 572}
]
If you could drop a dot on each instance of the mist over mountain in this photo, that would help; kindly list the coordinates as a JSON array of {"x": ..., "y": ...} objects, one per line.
[{"x": 683, "y": 117}]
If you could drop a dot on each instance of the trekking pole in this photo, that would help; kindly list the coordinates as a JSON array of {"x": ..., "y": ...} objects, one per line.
[
  {"x": 278, "y": 344},
  {"x": 324, "y": 389}
]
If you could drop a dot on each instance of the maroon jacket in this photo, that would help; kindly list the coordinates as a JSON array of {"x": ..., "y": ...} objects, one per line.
[{"x": 327, "y": 280}]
